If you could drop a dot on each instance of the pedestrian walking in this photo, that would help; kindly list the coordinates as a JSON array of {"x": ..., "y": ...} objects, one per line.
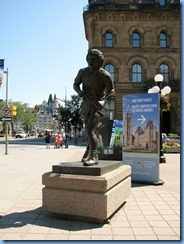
[
  {"x": 66, "y": 140},
  {"x": 47, "y": 140},
  {"x": 76, "y": 139},
  {"x": 58, "y": 140}
]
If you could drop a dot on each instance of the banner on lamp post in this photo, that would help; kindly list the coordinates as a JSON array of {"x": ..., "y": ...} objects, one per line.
[{"x": 1, "y": 71}]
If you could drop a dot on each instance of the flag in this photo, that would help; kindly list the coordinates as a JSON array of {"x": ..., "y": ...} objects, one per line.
[{"x": 1, "y": 71}]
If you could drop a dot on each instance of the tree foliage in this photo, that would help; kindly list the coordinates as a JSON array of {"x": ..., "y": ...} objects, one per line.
[
  {"x": 75, "y": 104},
  {"x": 165, "y": 103},
  {"x": 70, "y": 113}
]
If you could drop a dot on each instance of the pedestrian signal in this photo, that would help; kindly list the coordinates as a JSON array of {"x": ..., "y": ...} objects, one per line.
[{"x": 13, "y": 110}]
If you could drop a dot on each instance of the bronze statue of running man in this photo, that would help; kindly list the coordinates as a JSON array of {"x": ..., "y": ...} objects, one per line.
[{"x": 95, "y": 86}]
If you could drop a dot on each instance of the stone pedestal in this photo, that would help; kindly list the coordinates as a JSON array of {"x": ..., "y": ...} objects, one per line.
[{"x": 80, "y": 192}]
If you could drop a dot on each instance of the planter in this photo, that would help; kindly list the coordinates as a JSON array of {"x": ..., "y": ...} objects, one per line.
[{"x": 172, "y": 150}]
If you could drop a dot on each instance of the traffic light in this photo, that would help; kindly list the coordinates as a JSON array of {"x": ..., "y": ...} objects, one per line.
[
  {"x": 13, "y": 110},
  {"x": 36, "y": 108}
]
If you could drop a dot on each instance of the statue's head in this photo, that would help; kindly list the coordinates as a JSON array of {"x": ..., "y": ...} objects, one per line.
[{"x": 97, "y": 53}]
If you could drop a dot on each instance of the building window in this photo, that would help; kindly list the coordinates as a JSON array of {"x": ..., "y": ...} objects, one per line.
[
  {"x": 109, "y": 109},
  {"x": 110, "y": 68},
  {"x": 163, "y": 40},
  {"x": 162, "y": 3},
  {"x": 164, "y": 70},
  {"x": 136, "y": 39},
  {"x": 108, "y": 39},
  {"x": 136, "y": 73}
]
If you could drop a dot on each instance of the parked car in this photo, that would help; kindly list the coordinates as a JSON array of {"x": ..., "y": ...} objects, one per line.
[
  {"x": 176, "y": 139},
  {"x": 2, "y": 134},
  {"x": 41, "y": 134},
  {"x": 32, "y": 133},
  {"x": 21, "y": 134},
  {"x": 165, "y": 137}
]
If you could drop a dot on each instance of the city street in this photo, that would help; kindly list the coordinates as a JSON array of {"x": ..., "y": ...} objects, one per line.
[
  {"x": 150, "y": 213},
  {"x": 23, "y": 141}
]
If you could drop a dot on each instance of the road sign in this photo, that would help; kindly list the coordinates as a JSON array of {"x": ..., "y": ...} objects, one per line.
[
  {"x": 6, "y": 119},
  {"x": 6, "y": 111}
]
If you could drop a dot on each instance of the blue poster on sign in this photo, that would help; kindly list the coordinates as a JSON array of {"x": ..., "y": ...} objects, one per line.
[
  {"x": 110, "y": 136},
  {"x": 141, "y": 136},
  {"x": 116, "y": 135}
]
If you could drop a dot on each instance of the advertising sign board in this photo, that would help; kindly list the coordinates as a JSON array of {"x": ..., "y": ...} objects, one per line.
[{"x": 141, "y": 136}]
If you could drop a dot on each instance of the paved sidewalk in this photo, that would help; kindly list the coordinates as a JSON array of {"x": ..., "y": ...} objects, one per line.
[{"x": 150, "y": 213}]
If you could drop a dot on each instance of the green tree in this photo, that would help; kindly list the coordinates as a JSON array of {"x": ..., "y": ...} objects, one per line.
[
  {"x": 69, "y": 114},
  {"x": 64, "y": 117},
  {"x": 2, "y": 104},
  {"x": 2, "y": 125},
  {"x": 25, "y": 115},
  {"x": 75, "y": 117}
]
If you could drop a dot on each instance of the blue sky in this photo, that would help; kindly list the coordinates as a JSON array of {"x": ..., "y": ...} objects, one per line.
[{"x": 43, "y": 43}]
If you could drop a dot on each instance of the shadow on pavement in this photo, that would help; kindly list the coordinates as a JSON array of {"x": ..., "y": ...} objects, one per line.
[{"x": 39, "y": 217}]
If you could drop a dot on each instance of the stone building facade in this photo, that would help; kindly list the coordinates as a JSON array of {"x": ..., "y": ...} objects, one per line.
[{"x": 139, "y": 39}]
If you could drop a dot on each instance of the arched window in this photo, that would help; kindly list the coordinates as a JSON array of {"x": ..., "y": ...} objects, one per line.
[
  {"x": 108, "y": 39},
  {"x": 162, "y": 2},
  {"x": 109, "y": 109},
  {"x": 110, "y": 68},
  {"x": 164, "y": 70},
  {"x": 136, "y": 73},
  {"x": 136, "y": 39},
  {"x": 163, "y": 40}
]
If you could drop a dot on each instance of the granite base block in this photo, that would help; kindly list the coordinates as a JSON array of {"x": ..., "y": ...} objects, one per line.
[
  {"x": 86, "y": 197},
  {"x": 86, "y": 183}
]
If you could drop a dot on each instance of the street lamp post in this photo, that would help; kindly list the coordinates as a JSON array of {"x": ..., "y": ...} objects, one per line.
[
  {"x": 163, "y": 89},
  {"x": 6, "y": 125}
]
